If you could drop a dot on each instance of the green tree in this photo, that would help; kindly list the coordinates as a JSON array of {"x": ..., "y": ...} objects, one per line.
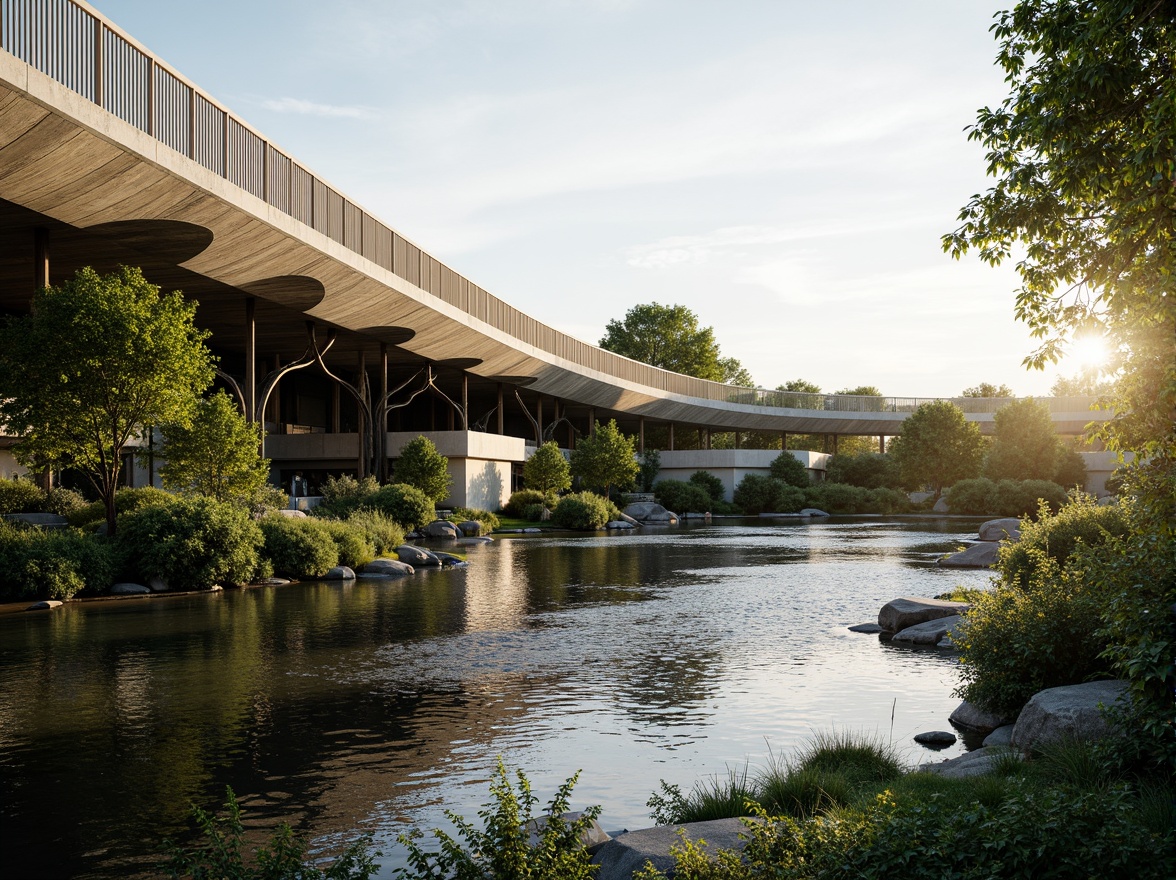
[
  {"x": 216, "y": 454},
  {"x": 605, "y": 459},
  {"x": 787, "y": 468},
  {"x": 937, "y": 446},
  {"x": 987, "y": 389},
  {"x": 547, "y": 470},
  {"x": 1025, "y": 444},
  {"x": 861, "y": 391},
  {"x": 670, "y": 337},
  {"x": 97, "y": 360},
  {"x": 1084, "y": 152},
  {"x": 420, "y": 465}
]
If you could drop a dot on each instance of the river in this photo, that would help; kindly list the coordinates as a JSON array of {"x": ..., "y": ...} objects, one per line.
[{"x": 662, "y": 654}]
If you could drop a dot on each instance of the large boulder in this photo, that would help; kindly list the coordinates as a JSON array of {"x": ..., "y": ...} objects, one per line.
[
  {"x": 1002, "y": 736},
  {"x": 980, "y": 555},
  {"x": 470, "y": 528},
  {"x": 339, "y": 573},
  {"x": 129, "y": 590},
  {"x": 442, "y": 529},
  {"x": 1067, "y": 712},
  {"x": 417, "y": 556},
  {"x": 971, "y": 717},
  {"x": 1007, "y": 529},
  {"x": 388, "y": 568},
  {"x": 812, "y": 511},
  {"x": 626, "y": 853},
  {"x": 45, "y": 605},
  {"x": 291, "y": 513},
  {"x": 929, "y": 632},
  {"x": 975, "y": 763},
  {"x": 593, "y": 837},
  {"x": 941, "y": 505},
  {"x": 898, "y": 614},
  {"x": 649, "y": 512}
]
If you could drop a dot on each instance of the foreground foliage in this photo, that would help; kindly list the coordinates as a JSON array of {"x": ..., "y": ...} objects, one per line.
[
  {"x": 501, "y": 849},
  {"x": 221, "y": 855},
  {"x": 52, "y": 563}
]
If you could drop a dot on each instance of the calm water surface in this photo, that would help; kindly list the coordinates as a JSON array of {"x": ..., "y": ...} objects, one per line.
[{"x": 374, "y": 707}]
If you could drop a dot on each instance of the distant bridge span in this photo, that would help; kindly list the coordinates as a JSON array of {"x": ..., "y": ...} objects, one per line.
[{"x": 109, "y": 156}]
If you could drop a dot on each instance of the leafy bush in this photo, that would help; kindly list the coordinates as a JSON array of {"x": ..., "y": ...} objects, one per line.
[
  {"x": 421, "y": 466},
  {"x": 63, "y": 502},
  {"x": 191, "y": 543},
  {"x": 1081, "y": 521},
  {"x": 381, "y": 531},
  {"x": 870, "y": 470},
  {"x": 883, "y": 500},
  {"x": 20, "y": 496},
  {"x": 682, "y": 497},
  {"x": 126, "y": 500},
  {"x": 583, "y": 510},
  {"x": 220, "y": 853},
  {"x": 787, "y": 468},
  {"x": 547, "y": 470},
  {"x": 299, "y": 547},
  {"x": 974, "y": 497},
  {"x": 534, "y": 512},
  {"x": 351, "y": 542},
  {"x": 1013, "y": 498},
  {"x": 488, "y": 520},
  {"x": 521, "y": 499},
  {"x": 502, "y": 850},
  {"x": 838, "y": 498},
  {"x": 344, "y": 495},
  {"x": 649, "y": 468},
  {"x": 52, "y": 563},
  {"x": 758, "y": 494},
  {"x": 403, "y": 504},
  {"x": 710, "y": 483}
]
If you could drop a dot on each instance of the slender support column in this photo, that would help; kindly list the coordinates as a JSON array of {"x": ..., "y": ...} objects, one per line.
[
  {"x": 708, "y": 438},
  {"x": 591, "y": 421},
  {"x": 360, "y": 416},
  {"x": 783, "y": 440},
  {"x": 671, "y": 436},
  {"x": 40, "y": 258},
  {"x": 738, "y": 438},
  {"x": 501, "y": 413},
  {"x": 250, "y": 359},
  {"x": 539, "y": 418},
  {"x": 381, "y": 415},
  {"x": 571, "y": 435},
  {"x": 882, "y": 443},
  {"x": 465, "y": 400},
  {"x": 641, "y": 434},
  {"x": 275, "y": 402},
  {"x": 336, "y": 419}
]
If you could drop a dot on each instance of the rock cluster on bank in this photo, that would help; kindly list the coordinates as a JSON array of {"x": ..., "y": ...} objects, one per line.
[{"x": 985, "y": 552}]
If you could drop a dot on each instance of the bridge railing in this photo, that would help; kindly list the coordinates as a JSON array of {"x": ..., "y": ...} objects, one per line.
[
  {"x": 71, "y": 42},
  {"x": 863, "y": 403}
]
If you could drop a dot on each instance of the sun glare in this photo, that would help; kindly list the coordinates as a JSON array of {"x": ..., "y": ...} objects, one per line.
[{"x": 1088, "y": 353}]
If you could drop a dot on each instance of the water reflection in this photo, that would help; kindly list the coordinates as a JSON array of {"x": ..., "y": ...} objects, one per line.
[{"x": 375, "y": 705}]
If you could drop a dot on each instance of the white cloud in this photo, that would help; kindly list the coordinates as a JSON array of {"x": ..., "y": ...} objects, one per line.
[{"x": 310, "y": 108}]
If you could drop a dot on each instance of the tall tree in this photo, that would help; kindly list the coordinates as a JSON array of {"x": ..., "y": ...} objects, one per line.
[
  {"x": 937, "y": 447},
  {"x": 97, "y": 360},
  {"x": 670, "y": 337},
  {"x": 1026, "y": 446},
  {"x": 1084, "y": 152},
  {"x": 606, "y": 458},
  {"x": 547, "y": 470},
  {"x": 216, "y": 454},
  {"x": 987, "y": 389}
]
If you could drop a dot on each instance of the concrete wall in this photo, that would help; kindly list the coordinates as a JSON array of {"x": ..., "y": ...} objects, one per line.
[
  {"x": 479, "y": 464},
  {"x": 732, "y": 465}
]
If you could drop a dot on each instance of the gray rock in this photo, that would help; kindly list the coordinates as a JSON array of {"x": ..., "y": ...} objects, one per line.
[
  {"x": 158, "y": 585},
  {"x": 648, "y": 511},
  {"x": 339, "y": 573},
  {"x": 979, "y": 555},
  {"x": 976, "y": 763},
  {"x": 417, "y": 556},
  {"x": 939, "y": 739},
  {"x": 470, "y": 542},
  {"x": 865, "y": 628},
  {"x": 813, "y": 511},
  {"x": 972, "y": 717},
  {"x": 898, "y": 614},
  {"x": 1008, "y": 528},
  {"x": 41, "y": 520},
  {"x": 618, "y": 524},
  {"x": 442, "y": 529},
  {"x": 129, "y": 590},
  {"x": 930, "y": 632},
  {"x": 626, "y": 853},
  {"x": 1002, "y": 736},
  {"x": 388, "y": 568},
  {"x": 293, "y": 514},
  {"x": 1068, "y": 712},
  {"x": 470, "y": 528},
  {"x": 271, "y": 582},
  {"x": 593, "y": 837},
  {"x": 941, "y": 505},
  {"x": 46, "y": 605},
  {"x": 532, "y": 531}
]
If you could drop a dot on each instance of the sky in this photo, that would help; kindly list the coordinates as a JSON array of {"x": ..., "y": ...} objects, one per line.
[{"x": 784, "y": 169}]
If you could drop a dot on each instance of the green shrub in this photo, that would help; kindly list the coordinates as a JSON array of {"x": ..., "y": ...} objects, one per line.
[
  {"x": 1081, "y": 521},
  {"x": 351, "y": 542},
  {"x": 803, "y": 793},
  {"x": 787, "y": 468},
  {"x": 421, "y": 466},
  {"x": 344, "y": 495},
  {"x": 220, "y": 854},
  {"x": 715, "y": 798},
  {"x": 757, "y": 494},
  {"x": 52, "y": 563},
  {"x": 838, "y": 498},
  {"x": 521, "y": 499},
  {"x": 502, "y": 850},
  {"x": 63, "y": 502},
  {"x": 710, "y": 483},
  {"x": 682, "y": 497},
  {"x": 975, "y": 497},
  {"x": 582, "y": 510},
  {"x": 488, "y": 520},
  {"x": 191, "y": 543},
  {"x": 381, "y": 531},
  {"x": 883, "y": 500},
  {"x": 299, "y": 547},
  {"x": 1022, "y": 498},
  {"x": 534, "y": 512},
  {"x": 126, "y": 500},
  {"x": 20, "y": 496},
  {"x": 547, "y": 470},
  {"x": 870, "y": 470},
  {"x": 404, "y": 505}
]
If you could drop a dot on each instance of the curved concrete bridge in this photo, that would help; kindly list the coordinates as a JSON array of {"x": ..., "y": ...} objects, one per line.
[{"x": 109, "y": 156}]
